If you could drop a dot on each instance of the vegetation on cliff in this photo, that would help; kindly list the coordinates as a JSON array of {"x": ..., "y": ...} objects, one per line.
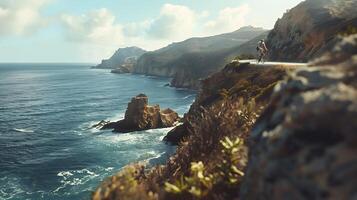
[
  {"x": 267, "y": 132},
  {"x": 225, "y": 111}
]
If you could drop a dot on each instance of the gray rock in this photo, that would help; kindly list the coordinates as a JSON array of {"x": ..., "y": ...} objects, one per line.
[{"x": 305, "y": 144}]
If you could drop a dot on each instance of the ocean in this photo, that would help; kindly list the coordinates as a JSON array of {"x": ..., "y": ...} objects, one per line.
[{"x": 47, "y": 147}]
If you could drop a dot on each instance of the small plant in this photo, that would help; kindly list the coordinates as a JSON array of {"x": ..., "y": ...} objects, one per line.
[
  {"x": 126, "y": 185},
  {"x": 224, "y": 93},
  {"x": 233, "y": 155},
  {"x": 197, "y": 185},
  {"x": 200, "y": 183}
]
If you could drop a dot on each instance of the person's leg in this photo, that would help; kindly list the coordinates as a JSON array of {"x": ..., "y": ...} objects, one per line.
[{"x": 260, "y": 56}]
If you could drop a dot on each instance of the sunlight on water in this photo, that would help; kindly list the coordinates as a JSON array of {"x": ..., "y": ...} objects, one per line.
[{"x": 48, "y": 148}]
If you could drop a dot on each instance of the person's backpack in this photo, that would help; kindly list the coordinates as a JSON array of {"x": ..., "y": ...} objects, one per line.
[{"x": 259, "y": 45}]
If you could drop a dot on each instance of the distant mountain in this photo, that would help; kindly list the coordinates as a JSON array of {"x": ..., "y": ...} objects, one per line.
[
  {"x": 310, "y": 29},
  {"x": 123, "y": 57},
  {"x": 196, "y": 58}
]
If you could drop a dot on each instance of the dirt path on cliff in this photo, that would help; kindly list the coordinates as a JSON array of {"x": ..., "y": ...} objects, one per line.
[{"x": 272, "y": 64}]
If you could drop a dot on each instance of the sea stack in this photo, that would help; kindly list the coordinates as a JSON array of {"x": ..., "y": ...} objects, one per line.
[{"x": 140, "y": 116}]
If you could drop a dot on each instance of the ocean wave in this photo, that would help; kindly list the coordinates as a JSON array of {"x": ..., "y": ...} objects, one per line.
[
  {"x": 189, "y": 96},
  {"x": 22, "y": 130},
  {"x": 128, "y": 138},
  {"x": 75, "y": 178},
  {"x": 10, "y": 188}
]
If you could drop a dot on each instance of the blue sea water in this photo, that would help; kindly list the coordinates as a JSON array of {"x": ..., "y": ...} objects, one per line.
[{"x": 47, "y": 148}]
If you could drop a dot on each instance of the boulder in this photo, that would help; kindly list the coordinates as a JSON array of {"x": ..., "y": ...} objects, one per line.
[
  {"x": 176, "y": 135},
  {"x": 140, "y": 116},
  {"x": 168, "y": 117},
  {"x": 304, "y": 146}
]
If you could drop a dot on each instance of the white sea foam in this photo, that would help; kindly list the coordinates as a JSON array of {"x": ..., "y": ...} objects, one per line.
[
  {"x": 128, "y": 138},
  {"x": 189, "y": 96},
  {"x": 75, "y": 178},
  {"x": 65, "y": 174},
  {"x": 22, "y": 130},
  {"x": 10, "y": 188}
]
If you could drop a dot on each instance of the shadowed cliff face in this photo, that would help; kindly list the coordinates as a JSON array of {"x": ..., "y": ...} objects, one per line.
[
  {"x": 304, "y": 144},
  {"x": 310, "y": 29}
]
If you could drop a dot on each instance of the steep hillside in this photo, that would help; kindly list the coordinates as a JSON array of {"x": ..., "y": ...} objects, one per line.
[
  {"x": 299, "y": 132},
  {"x": 194, "y": 58},
  {"x": 123, "y": 56},
  {"x": 193, "y": 67},
  {"x": 267, "y": 132},
  {"x": 228, "y": 106},
  {"x": 310, "y": 29}
]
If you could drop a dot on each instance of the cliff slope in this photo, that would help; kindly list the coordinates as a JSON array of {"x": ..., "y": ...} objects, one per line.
[
  {"x": 195, "y": 58},
  {"x": 304, "y": 144},
  {"x": 123, "y": 57},
  {"x": 299, "y": 132},
  {"x": 257, "y": 132},
  {"x": 310, "y": 29}
]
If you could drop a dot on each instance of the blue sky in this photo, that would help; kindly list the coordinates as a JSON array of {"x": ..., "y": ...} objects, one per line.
[{"x": 90, "y": 30}]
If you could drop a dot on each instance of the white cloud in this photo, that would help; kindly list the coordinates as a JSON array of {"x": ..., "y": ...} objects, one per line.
[
  {"x": 98, "y": 33},
  {"x": 19, "y": 17},
  {"x": 97, "y": 26},
  {"x": 136, "y": 29},
  {"x": 229, "y": 19},
  {"x": 174, "y": 22}
]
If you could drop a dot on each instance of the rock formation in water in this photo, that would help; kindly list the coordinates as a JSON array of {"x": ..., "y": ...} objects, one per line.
[
  {"x": 140, "y": 116},
  {"x": 310, "y": 29},
  {"x": 123, "y": 60}
]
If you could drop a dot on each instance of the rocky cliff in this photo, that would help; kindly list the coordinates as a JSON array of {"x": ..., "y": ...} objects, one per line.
[
  {"x": 304, "y": 144},
  {"x": 196, "y": 58},
  {"x": 123, "y": 58},
  {"x": 310, "y": 29},
  {"x": 264, "y": 132},
  {"x": 297, "y": 123}
]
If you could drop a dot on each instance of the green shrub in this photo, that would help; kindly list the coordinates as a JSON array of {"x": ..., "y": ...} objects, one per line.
[
  {"x": 200, "y": 183},
  {"x": 233, "y": 156}
]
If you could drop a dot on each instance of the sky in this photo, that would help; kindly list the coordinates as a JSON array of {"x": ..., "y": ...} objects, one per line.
[{"x": 88, "y": 31}]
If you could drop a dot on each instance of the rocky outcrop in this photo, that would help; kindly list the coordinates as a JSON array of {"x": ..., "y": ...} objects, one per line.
[
  {"x": 121, "y": 70},
  {"x": 140, "y": 116},
  {"x": 310, "y": 29},
  {"x": 304, "y": 144},
  {"x": 123, "y": 57}
]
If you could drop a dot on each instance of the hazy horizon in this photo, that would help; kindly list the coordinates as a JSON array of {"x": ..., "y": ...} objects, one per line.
[{"x": 53, "y": 31}]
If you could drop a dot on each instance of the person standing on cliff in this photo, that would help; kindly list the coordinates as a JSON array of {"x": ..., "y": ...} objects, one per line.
[{"x": 262, "y": 49}]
